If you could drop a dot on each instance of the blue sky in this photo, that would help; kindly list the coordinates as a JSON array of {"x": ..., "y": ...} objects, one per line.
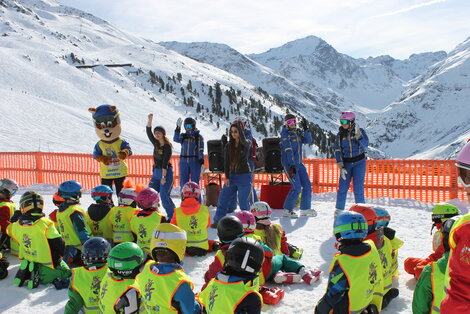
[{"x": 359, "y": 28}]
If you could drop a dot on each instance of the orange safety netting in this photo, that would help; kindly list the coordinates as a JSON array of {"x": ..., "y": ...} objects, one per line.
[{"x": 423, "y": 180}]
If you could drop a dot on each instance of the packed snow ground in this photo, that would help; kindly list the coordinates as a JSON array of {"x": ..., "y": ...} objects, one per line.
[{"x": 411, "y": 219}]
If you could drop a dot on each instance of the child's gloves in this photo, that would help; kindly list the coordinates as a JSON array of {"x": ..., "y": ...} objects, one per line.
[{"x": 357, "y": 131}]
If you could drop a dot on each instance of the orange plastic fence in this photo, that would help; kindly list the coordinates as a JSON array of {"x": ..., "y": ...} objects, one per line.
[{"x": 423, "y": 180}]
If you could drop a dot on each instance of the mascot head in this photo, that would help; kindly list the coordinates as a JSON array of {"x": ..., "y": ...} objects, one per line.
[{"x": 107, "y": 122}]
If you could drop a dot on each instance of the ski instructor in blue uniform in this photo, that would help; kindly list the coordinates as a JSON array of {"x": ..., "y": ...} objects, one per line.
[{"x": 292, "y": 139}]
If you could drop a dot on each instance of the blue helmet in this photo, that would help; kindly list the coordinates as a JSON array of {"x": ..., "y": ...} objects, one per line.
[
  {"x": 350, "y": 225},
  {"x": 70, "y": 190},
  {"x": 102, "y": 193},
  {"x": 383, "y": 217},
  {"x": 95, "y": 251}
]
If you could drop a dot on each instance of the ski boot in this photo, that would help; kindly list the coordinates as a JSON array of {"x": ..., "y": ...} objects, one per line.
[
  {"x": 23, "y": 274},
  {"x": 34, "y": 281},
  {"x": 310, "y": 277},
  {"x": 288, "y": 278},
  {"x": 271, "y": 296},
  {"x": 3, "y": 267}
]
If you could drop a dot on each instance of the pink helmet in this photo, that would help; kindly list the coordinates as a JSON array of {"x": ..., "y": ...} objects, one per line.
[
  {"x": 147, "y": 198},
  {"x": 127, "y": 196},
  {"x": 191, "y": 189},
  {"x": 347, "y": 116},
  {"x": 261, "y": 210},
  {"x": 463, "y": 164},
  {"x": 248, "y": 220}
]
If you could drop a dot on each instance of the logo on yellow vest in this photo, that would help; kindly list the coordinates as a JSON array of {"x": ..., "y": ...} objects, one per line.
[
  {"x": 26, "y": 241},
  {"x": 104, "y": 289},
  {"x": 148, "y": 290},
  {"x": 372, "y": 273},
  {"x": 142, "y": 231},
  {"x": 193, "y": 222},
  {"x": 212, "y": 297},
  {"x": 117, "y": 219}
]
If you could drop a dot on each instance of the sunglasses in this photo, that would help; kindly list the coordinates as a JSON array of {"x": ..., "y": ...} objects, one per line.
[
  {"x": 344, "y": 121},
  {"x": 188, "y": 126},
  {"x": 291, "y": 121}
]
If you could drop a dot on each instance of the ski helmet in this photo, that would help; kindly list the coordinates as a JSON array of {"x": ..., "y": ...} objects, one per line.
[
  {"x": 191, "y": 189},
  {"x": 347, "y": 117},
  {"x": 105, "y": 116},
  {"x": 31, "y": 200},
  {"x": 127, "y": 197},
  {"x": 350, "y": 225},
  {"x": 383, "y": 217},
  {"x": 147, "y": 198},
  {"x": 125, "y": 259},
  {"x": 95, "y": 251},
  {"x": 368, "y": 213},
  {"x": 446, "y": 228},
  {"x": 189, "y": 123},
  {"x": 229, "y": 228},
  {"x": 168, "y": 237},
  {"x": 288, "y": 119},
  {"x": 248, "y": 220},
  {"x": 443, "y": 211},
  {"x": 242, "y": 120},
  {"x": 102, "y": 193},
  {"x": 244, "y": 255},
  {"x": 463, "y": 165},
  {"x": 70, "y": 190},
  {"x": 8, "y": 187},
  {"x": 261, "y": 210},
  {"x": 57, "y": 199}
]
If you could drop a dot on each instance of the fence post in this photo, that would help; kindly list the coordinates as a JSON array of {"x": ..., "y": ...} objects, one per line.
[
  {"x": 454, "y": 187},
  {"x": 39, "y": 168}
]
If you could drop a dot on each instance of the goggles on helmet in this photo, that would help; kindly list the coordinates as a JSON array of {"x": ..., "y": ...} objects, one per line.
[
  {"x": 188, "y": 126},
  {"x": 107, "y": 121},
  {"x": 464, "y": 176},
  {"x": 344, "y": 121},
  {"x": 290, "y": 121}
]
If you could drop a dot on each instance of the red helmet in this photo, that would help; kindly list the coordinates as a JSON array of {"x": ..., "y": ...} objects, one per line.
[
  {"x": 191, "y": 189},
  {"x": 148, "y": 198},
  {"x": 248, "y": 220},
  {"x": 368, "y": 213}
]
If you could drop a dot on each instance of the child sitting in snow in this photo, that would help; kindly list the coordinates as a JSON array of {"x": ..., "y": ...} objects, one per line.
[
  {"x": 8, "y": 213},
  {"x": 440, "y": 213},
  {"x": 57, "y": 200},
  {"x": 98, "y": 214},
  {"x": 121, "y": 215},
  {"x": 85, "y": 284}
]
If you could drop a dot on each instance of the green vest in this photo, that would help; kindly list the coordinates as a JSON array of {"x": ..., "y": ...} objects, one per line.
[
  {"x": 143, "y": 227},
  {"x": 253, "y": 236},
  {"x": 112, "y": 290},
  {"x": 195, "y": 226},
  {"x": 262, "y": 234},
  {"x": 364, "y": 277},
  {"x": 157, "y": 290},
  {"x": 224, "y": 297},
  {"x": 86, "y": 282},
  {"x": 117, "y": 168},
  {"x": 385, "y": 253},
  {"x": 65, "y": 226},
  {"x": 102, "y": 228},
  {"x": 396, "y": 244},
  {"x": 437, "y": 281},
  {"x": 121, "y": 220},
  {"x": 14, "y": 246},
  {"x": 34, "y": 246}
]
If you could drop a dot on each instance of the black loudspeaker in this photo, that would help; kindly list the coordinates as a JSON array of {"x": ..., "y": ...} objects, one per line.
[
  {"x": 216, "y": 155},
  {"x": 272, "y": 155}
]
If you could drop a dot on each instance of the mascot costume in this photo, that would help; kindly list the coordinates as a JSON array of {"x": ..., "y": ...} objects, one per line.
[{"x": 111, "y": 150}]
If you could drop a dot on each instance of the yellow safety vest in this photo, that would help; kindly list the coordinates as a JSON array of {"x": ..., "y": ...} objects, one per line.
[
  {"x": 456, "y": 226},
  {"x": 111, "y": 290},
  {"x": 157, "y": 290},
  {"x": 34, "y": 246},
  {"x": 253, "y": 236},
  {"x": 102, "y": 228},
  {"x": 66, "y": 228},
  {"x": 143, "y": 228},
  {"x": 262, "y": 234},
  {"x": 437, "y": 281},
  {"x": 224, "y": 297},
  {"x": 385, "y": 253},
  {"x": 86, "y": 282},
  {"x": 121, "y": 220},
  {"x": 365, "y": 278},
  {"x": 195, "y": 226},
  {"x": 117, "y": 168},
  {"x": 396, "y": 244},
  {"x": 14, "y": 246}
]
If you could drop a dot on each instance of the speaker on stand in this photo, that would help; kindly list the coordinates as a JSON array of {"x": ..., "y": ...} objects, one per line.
[{"x": 272, "y": 155}]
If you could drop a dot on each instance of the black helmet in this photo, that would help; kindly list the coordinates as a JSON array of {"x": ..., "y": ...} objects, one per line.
[
  {"x": 189, "y": 121},
  {"x": 229, "y": 228},
  {"x": 446, "y": 227},
  {"x": 245, "y": 255},
  {"x": 31, "y": 200},
  {"x": 95, "y": 251},
  {"x": 289, "y": 116}
]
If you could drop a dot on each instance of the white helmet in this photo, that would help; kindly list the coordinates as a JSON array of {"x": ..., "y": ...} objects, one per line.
[
  {"x": 8, "y": 187},
  {"x": 261, "y": 210},
  {"x": 127, "y": 196}
]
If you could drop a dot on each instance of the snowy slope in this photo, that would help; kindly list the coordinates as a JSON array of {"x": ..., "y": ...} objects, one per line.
[
  {"x": 431, "y": 119},
  {"x": 313, "y": 234}
]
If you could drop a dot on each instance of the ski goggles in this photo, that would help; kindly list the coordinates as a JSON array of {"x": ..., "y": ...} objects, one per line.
[
  {"x": 188, "y": 126},
  {"x": 106, "y": 122},
  {"x": 464, "y": 174},
  {"x": 291, "y": 121},
  {"x": 344, "y": 121}
]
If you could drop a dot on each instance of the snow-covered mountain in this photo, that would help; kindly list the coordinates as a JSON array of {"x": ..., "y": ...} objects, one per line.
[
  {"x": 44, "y": 97},
  {"x": 431, "y": 119}
]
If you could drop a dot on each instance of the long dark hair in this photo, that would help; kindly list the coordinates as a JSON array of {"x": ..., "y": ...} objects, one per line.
[
  {"x": 166, "y": 140},
  {"x": 235, "y": 151}
]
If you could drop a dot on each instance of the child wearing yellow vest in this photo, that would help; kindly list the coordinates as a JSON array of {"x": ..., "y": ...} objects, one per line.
[
  {"x": 118, "y": 293},
  {"x": 355, "y": 282},
  {"x": 71, "y": 222},
  {"x": 121, "y": 216},
  {"x": 163, "y": 285},
  {"x": 195, "y": 219},
  {"x": 84, "y": 287},
  {"x": 8, "y": 188},
  {"x": 235, "y": 288},
  {"x": 99, "y": 213},
  {"x": 41, "y": 246},
  {"x": 144, "y": 221}
]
